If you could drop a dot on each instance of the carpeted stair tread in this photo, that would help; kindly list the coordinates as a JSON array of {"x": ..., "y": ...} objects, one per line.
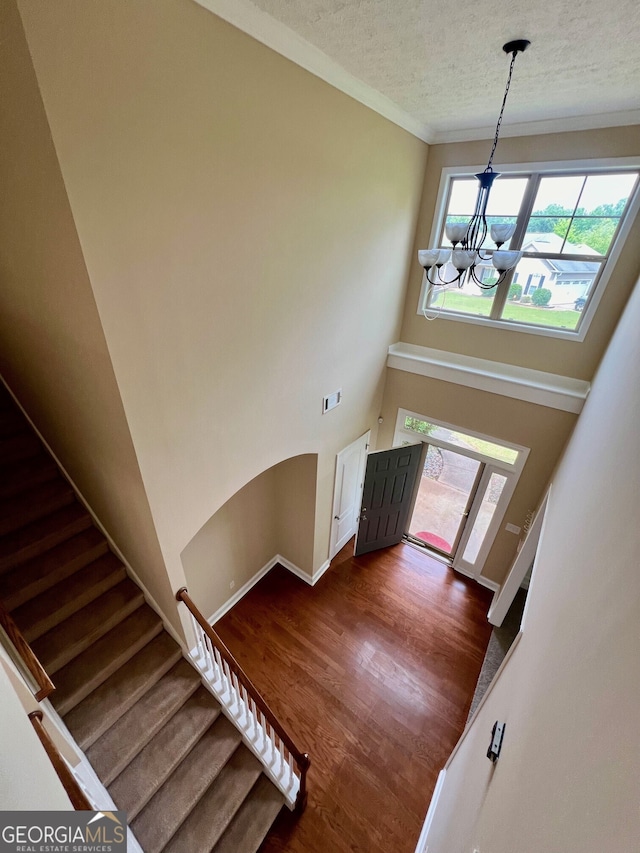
[
  {"x": 153, "y": 732},
  {"x": 248, "y": 829},
  {"x": 34, "y": 577},
  {"x": 213, "y": 813},
  {"x": 106, "y": 706},
  {"x": 42, "y": 535},
  {"x": 20, "y": 477},
  {"x": 169, "y": 807},
  {"x": 41, "y": 500},
  {"x": 14, "y": 448},
  {"x": 153, "y": 765},
  {"x": 71, "y": 637},
  {"x": 51, "y": 607},
  {"x": 90, "y": 669},
  {"x": 118, "y": 745}
]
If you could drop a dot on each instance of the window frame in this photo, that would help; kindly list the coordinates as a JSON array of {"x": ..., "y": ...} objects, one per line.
[{"x": 561, "y": 167}]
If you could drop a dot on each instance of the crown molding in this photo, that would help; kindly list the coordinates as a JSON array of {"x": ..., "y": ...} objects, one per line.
[
  {"x": 285, "y": 41},
  {"x": 561, "y": 124}
]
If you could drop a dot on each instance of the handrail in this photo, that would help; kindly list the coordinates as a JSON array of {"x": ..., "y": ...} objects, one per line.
[
  {"x": 301, "y": 758},
  {"x": 75, "y": 793},
  {"x": 26, "y": 653}
]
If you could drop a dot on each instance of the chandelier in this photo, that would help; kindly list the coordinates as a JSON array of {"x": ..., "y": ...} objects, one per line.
[{"x": 468, "y": 238}]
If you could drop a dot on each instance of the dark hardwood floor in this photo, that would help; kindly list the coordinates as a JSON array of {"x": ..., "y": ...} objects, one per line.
[{"x": 373, "y": 671}]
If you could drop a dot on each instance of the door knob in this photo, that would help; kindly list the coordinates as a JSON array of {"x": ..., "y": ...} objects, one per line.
[{"x": 336, "y": 518}]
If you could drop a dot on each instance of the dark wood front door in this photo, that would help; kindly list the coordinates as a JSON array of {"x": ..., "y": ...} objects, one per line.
[{"x": 387, "y": 497}]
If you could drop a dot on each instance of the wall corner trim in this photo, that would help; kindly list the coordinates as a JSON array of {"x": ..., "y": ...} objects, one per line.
[
  {"x": 508, "y": 380},
  {"x": 278, "y": 560},
  {"x": 319, "y": 572},
  {"x": 299, "y": 573}
]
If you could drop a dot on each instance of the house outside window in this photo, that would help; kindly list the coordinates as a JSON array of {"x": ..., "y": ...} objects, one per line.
[{"x": 570, "y": 227}]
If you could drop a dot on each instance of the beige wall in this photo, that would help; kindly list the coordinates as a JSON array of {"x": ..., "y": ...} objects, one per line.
[
  {"x": 27, "y": 777},
  {"x": 273, "y": 514},
  {"x": 569, "y": 775},
  {"x": 53, "y": 352},
  {"x": 295, "y": 502},
  {"x": 247, "y": 232},
  {"x": 568, "y": 358},
  {"x": 545, "y": 431}
]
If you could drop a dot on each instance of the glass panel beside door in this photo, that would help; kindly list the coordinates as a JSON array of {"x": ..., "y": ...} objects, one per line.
[
  {"x": 448, "y": 484},
  {"x": 484, "y": 517}
]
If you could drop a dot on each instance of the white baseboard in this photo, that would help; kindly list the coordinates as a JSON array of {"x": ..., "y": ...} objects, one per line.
[
  {"x": 299, "y": 573},
  {"x": 295, "y": 570},
  {"x": 274, "y": 561},
  {"x": 422, "y": 841},
  {"x": 492, "y": 585},
  {"x": 112, "y": 545},
  {"x": 319, "y": 572},
  {"x": 244, "y": 589}
]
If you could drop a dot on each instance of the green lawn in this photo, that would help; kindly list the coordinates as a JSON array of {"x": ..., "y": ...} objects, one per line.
[
  {"x": 481, "y": 305},
  {"x": 506, "y": 454}
]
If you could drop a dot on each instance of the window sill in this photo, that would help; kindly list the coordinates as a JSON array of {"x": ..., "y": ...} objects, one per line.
[{"x": 577, "y": 335}]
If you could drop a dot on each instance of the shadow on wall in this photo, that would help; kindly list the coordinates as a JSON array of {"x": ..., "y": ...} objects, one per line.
[{"x": 272, "y": 514}]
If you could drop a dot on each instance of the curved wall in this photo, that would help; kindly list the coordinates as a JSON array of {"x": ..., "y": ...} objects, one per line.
[{"x": 270, "y": 515}]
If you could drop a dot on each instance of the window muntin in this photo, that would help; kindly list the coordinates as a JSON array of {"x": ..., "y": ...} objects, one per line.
[{"x": 566, "y": 226}]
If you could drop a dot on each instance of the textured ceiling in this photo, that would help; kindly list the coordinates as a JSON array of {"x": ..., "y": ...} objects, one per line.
[{"x": 441, "y": 63}]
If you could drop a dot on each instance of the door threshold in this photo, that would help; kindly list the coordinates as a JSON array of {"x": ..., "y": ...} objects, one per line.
[{"x": 448, "y": 561}]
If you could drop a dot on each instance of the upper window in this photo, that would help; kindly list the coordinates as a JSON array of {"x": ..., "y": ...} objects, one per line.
[{"x": 567, "y": 226}]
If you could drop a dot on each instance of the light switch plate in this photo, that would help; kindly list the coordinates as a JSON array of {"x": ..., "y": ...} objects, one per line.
[{"x": 512, "y": 528}]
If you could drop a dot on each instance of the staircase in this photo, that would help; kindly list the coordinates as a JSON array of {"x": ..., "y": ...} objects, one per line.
[{"x": 154, "y": 734}]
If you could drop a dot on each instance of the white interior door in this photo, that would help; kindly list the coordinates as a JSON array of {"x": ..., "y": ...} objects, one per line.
[{"x": 350, "y": 465}]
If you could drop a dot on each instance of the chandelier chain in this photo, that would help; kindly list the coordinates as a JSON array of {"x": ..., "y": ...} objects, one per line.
[{"x": 504, "y": 101}]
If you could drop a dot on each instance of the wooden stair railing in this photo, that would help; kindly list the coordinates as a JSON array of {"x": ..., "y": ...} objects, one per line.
[
  {"x": 31, "y": 662},
  {"x": 236, "y": 691},
  {"x": 75, "y": 793}
]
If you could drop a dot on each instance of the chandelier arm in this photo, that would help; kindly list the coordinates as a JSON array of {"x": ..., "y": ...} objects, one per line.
[
  {"x": 476, "y": 233},
  {"x": 476, "y": 280},
  {"x": 496, "y": 283},
  {"x": 439, "y": 281},
  {"x": 483, "y": 284},
  {"x": 444, "y": 281}
]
